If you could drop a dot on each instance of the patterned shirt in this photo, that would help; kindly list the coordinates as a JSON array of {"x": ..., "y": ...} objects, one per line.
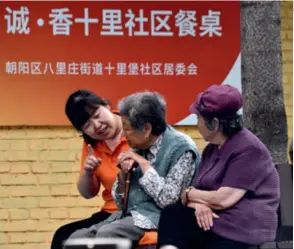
[{"x": 164, "y": 191}]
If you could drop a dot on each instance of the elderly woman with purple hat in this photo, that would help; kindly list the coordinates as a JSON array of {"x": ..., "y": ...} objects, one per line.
[{"x": 232, "y": 202}]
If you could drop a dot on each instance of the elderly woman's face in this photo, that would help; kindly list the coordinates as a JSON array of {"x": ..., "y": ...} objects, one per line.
[
  {"x": 203, "y": 130},
  {"x": 136, "y": 138}
]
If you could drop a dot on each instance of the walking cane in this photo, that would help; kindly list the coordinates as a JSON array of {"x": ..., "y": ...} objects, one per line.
[{"x": 127, "y": 188}]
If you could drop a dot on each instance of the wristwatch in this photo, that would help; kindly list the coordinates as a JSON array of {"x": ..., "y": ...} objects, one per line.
[{"x": 187, "y": 192}]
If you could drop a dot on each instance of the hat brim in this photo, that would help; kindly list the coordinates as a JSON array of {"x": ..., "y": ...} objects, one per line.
[{"x": 193, "y": 109}]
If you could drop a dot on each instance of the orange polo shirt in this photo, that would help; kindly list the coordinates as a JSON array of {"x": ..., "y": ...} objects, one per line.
[{"x": 108, "y": 170}]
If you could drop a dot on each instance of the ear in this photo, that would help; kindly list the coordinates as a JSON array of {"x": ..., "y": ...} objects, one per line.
[
  {"x": 148, "y": 130},
  {"x": 215, "y": 124},
  {"x": 108, "y": 107}
]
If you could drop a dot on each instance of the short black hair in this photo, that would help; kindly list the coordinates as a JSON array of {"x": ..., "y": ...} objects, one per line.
[{"x": 80, "y": 106}]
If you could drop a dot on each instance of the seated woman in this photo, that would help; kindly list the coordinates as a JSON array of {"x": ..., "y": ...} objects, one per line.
[
  {"x": 166, "y": 162},
  {"x": 101, "y": 129},
  {"x": 233, "y": 200}
]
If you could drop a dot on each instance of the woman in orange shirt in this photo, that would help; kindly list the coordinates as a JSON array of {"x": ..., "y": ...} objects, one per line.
[{"x": 103, "y": 142}]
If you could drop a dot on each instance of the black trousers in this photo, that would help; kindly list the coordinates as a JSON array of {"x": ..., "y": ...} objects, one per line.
[
  {"x": 178, "y": 227},
  {"x": 65, "y": 231}
]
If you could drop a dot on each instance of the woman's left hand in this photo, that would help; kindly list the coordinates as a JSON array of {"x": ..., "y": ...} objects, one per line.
[{"x": 204, "y": 215}]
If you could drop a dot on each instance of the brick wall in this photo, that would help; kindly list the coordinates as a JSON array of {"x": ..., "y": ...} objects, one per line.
[{"x": 39, "y": 168}]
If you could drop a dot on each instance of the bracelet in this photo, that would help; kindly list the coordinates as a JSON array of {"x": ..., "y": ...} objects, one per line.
[{"x": 187, "y": 192}]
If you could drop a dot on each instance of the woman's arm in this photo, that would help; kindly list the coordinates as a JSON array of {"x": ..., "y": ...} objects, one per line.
[
  {"x": 88, "y": 185},
  {"x": 223, "y": 198},
  {"x": 168, "y": 190}
]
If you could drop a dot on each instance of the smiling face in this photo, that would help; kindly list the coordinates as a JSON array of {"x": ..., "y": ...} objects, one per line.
[{"x": 101, "y": 125}]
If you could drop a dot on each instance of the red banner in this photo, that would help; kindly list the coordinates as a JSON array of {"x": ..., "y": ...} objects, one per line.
[{"x": 50, "y": 49}]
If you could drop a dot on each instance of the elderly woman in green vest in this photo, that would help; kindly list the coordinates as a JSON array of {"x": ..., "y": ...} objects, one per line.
[{"x": 166, "y": 162}]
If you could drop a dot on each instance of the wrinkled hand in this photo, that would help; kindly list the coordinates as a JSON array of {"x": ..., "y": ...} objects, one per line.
[
  {"x": 126, "y": 165},
  {"x": 91, "y": 162},
  {"x": 204, "y": 215},
  {"x": 126, "y": 160}
]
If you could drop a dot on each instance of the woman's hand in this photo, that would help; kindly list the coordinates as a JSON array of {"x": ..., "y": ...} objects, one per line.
[
  {"x": 127, "y": 158},
  {"x": 126, "y": 165},
  {"x": 91, "y": 163},
  {"x": 204, "y": 215}
]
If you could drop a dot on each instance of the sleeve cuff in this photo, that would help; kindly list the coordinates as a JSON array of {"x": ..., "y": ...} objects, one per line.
[{"x": 146, "y": 177}]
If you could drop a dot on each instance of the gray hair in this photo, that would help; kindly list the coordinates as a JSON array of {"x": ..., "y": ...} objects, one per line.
[
  {"x": 142, "y": 108},
  {"x": 228, "y": 126}
]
